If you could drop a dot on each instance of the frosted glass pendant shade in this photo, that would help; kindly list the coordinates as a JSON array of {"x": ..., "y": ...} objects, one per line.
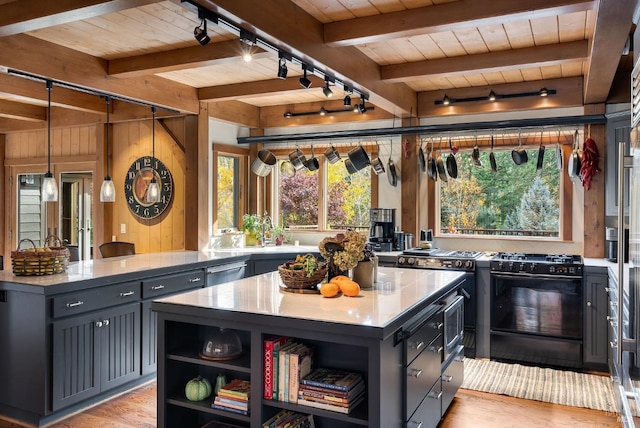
[
  {"x": 153, "y": 192},
  {"x": 49, "y": 188},
  {"x": 107, "y": 190}
]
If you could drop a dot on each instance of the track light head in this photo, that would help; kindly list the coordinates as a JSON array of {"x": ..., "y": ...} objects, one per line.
[
  {"x": 247, "y": 40},
  {"x": 544, "y": 92},
  {"x": 200, "y": 33},
  {"x": 288, "y": 114},
  {"x": 304, "y": 81},
  {"x": 492, "y": 96},
  {"x": 323, "y": 111},
  {"x": 446, "y": 100},
  {"x": 327, "y": 90},
  {"x": 282, "y": 69},
  {"x": 362, "y": 108},
  {"x": 347, "y": 101}
]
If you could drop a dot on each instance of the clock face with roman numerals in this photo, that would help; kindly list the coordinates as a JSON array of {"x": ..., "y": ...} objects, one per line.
[{"x": 136, "y": 185}]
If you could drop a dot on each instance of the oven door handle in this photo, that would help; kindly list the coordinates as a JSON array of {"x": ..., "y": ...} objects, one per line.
[{"x": 541, "y": 277}]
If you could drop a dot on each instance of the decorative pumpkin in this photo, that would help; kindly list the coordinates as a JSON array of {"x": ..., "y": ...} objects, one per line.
[
  {"x": 197, "y": 389},
  {"x": 347, "y": 286}
]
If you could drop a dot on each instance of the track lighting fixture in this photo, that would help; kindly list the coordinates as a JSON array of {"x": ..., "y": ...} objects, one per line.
[
  {"x": 247, "y": 41},
  {"x": 327, "y": 90},
  {"x": 200, "y": 33},
  {"x": 323, "y": 111},
  {"x": 543, "y": 92},
  {"x": 282, "y": 68},
  {"x": 49, "y": 185},
  {"x": 153, "y": 191},
  {"x": 107, "y": 190},
  {"x": 347, "y": 101},
  {"x": 304, "y": 81},
  {"x": 362, "y": 108}
]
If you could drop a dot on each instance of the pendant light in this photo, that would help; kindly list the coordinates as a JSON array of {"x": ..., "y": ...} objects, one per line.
[
  {"x": 108, "y": 190},
  {"x": 49, "y": 185},
  {"x": 153, "y": 191}
]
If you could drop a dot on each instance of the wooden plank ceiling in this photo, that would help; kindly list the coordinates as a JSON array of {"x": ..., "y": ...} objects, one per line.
[{"x": 404, "y": 54}]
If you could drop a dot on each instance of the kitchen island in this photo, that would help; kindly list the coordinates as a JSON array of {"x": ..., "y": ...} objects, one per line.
[
  {"x": 75, "y": 338},
  {"x": 394, "y": 334}
]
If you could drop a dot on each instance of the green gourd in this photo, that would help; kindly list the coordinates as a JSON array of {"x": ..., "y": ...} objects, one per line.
[{"x": 197, "y": 389}]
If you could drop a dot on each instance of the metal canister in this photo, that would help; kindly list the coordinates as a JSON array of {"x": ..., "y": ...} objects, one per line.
[
  {"x": 398, "y": 240},
  {"x": 408, "y": 241}
]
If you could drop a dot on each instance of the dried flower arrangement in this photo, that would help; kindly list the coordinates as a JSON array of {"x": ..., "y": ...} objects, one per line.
[{"x": 344, "y": 250}]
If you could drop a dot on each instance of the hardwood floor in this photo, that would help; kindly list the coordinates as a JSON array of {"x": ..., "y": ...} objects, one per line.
[{"x": 470, "y": 409}]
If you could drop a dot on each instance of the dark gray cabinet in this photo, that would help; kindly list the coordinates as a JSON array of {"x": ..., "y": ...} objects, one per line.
[
  {"x": 153, "y": 288},
  {"x": 595, "y": 301},
  {"x": 95, "y": 352}
]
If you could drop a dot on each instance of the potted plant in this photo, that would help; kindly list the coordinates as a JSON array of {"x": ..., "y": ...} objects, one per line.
[
  {"x": 252, "y": 228},
  {"x": 280, "y": 235}
]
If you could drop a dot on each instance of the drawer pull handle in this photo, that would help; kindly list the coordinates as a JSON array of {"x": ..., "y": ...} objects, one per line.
[
  {"x": 105, "y": 322},
  {"x": 98, "y": 324},
  {"x": 75, "y": 304},
  {"x": 417, "y": 346},
  {"x": 416, "y": 424},
  {"x": 613, "y": 344},
  {"x": 127, "y": 293},
  {"x": 439, "y": 325},
  {"x": 157, "y": 287},
  {"x": 589, "y": 304},
  {"x": 415, "y": 373},
  {"x": 436, "y": 350},
  {"x": 447, "y": 378},
  {"x": 435, "y": 395},
  {"x": 197, "y": 279}
]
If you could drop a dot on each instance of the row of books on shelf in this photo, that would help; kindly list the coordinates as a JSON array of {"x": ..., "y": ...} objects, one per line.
[
  {"x": 289, "y": 376},
  {"x": 233, "y": 397},
  {"x": 289, "y": 419}
]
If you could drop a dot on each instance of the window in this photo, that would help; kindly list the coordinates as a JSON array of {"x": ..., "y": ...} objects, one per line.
[
  {"x": 327, "y": 199},
  {"x": 228, "y": 191},
  {"x": 515, "y": 200}
]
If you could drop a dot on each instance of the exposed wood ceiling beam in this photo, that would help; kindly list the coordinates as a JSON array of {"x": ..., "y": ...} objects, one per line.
[
  {"x": 20, "y": 16},
  {"x": 179, "y": 59},
  {"x": 14, "y": 110},
  {"x": 235, "y": 112},
  {"x": 239, "y": 91},
  {"x": 568, "y": 94},
  {"x": 537, "y": 56},
  {"x": 32, "y": 92},
  {"x": 612, "y": 27},
  {"x": 443, "y": 17},
  {"x": 303, "y": 36},
  {"x": 35, "y": 56}
]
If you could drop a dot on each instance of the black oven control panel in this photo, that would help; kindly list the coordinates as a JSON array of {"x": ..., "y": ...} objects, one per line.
[
  {"x": 537, "y": 265},
  {"x": 420, "y": 262}
]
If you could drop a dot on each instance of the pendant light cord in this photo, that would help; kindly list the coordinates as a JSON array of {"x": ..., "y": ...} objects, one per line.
[
  {"x": 108, "y": 101},
  {"x": 153, "y": 134},
  {"x": 49, "y": 87}
]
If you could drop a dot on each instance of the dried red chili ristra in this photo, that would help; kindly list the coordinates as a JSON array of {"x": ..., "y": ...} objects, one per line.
[{"x": 589, "y": 162}]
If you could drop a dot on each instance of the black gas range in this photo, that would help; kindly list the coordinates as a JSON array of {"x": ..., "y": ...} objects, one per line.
[
  {"x": 435, "y": 258},
  {"x": 537, "y": 264}
]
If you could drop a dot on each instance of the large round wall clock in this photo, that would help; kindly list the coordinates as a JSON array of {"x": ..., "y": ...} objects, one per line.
[{"x": 136, "y": 185}]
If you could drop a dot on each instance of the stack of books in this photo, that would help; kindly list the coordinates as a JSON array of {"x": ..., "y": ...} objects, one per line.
[
  {"x": 233, "y": 397},
  {"x": 331, "y": 389},
  {"x": 285, "y": 363},
  {"x": 289, "y": 419}
]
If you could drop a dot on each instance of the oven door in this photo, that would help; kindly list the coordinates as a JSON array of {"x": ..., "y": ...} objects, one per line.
[
  {"x": 453, "y": 326},
  {"x": 537, "y": 319}
]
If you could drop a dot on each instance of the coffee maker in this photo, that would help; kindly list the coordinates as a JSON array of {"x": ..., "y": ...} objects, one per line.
[{"x": 381, "y": 232}]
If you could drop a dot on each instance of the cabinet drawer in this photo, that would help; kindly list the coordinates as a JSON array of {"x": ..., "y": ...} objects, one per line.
[
  {"x": 427, "y": 415},
  {"x": 97, "y": 298},
  {"x": 159, "y": 286},
  {"x": 419, "y": 340},
  {"x": 422, "y": 373},
  {"x": 452, "y": 378}
]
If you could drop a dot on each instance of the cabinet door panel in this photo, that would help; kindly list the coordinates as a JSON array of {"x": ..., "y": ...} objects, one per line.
[
  {"x": 74, "y": 361},
  {"x": 596, "y": 343},
  {"x": 149, "y": 339},
  {"x": 120, "y": 346}
]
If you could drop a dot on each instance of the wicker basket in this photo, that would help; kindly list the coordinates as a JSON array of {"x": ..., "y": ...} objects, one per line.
[
  {"x": 299, "y": 279},
  {"x": 39, "y": 261}
]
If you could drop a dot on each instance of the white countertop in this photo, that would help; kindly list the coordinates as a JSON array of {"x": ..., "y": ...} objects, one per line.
[{"x": 396, "y": 291}]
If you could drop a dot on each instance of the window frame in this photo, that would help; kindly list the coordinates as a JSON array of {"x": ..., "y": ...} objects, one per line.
[{"x": 242, "y": 155}]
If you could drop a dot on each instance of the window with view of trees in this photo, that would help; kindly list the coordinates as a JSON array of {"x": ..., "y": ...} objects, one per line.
[
  {"x": 346, "y": 205},
  {"x": 515, "y": 200},
  {"x": 227, "y": 186}
]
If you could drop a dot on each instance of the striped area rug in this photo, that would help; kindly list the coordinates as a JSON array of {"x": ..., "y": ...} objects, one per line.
[{"x": 541, "y": 384}]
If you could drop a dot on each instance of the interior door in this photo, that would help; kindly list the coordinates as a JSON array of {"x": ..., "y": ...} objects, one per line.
[{"x": 76, "y": 222}]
